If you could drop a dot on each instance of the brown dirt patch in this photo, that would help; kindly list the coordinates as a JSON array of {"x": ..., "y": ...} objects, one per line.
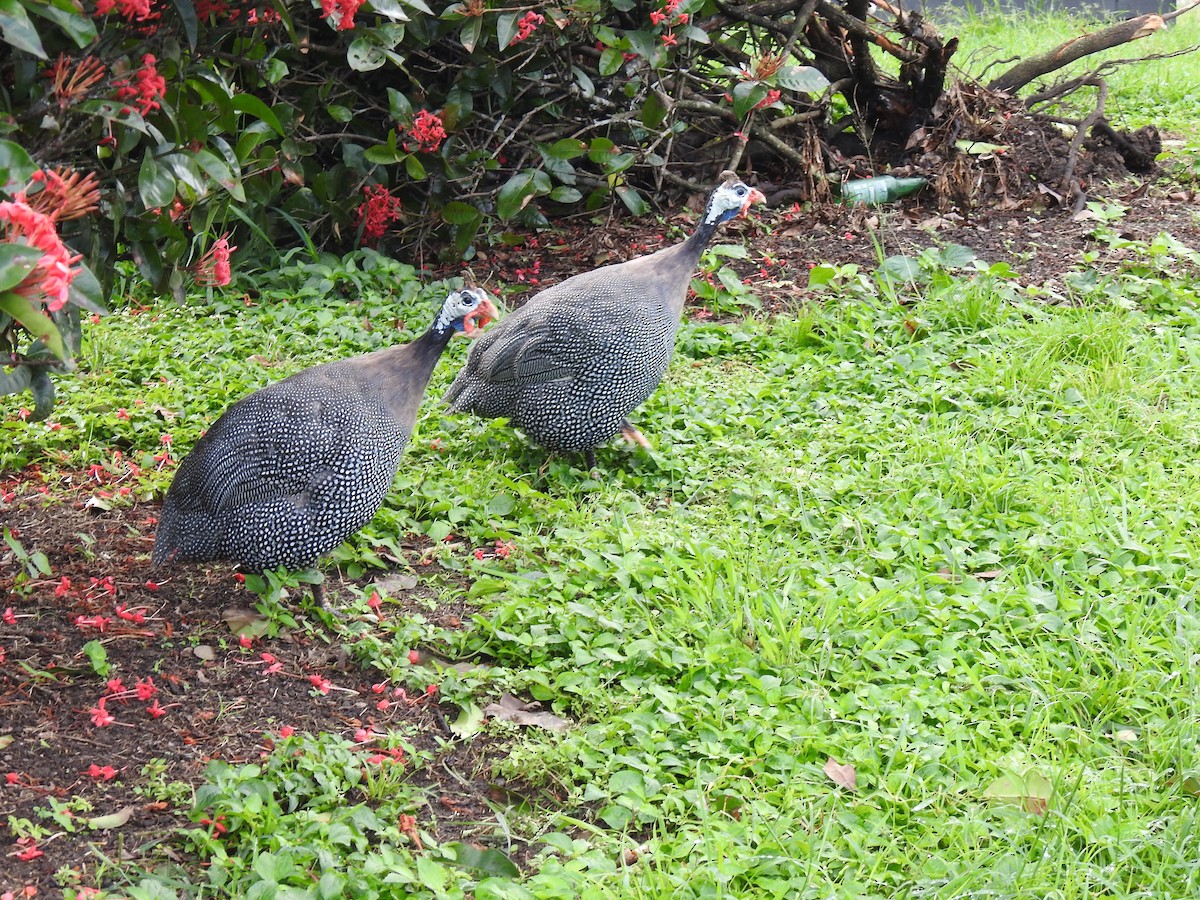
[{"x": 225, "y": 707}]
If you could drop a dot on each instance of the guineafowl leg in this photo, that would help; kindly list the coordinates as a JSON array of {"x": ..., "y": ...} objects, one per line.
[
  {"x": 631, "y": 434},
  {"x": 589, "y": 456}
]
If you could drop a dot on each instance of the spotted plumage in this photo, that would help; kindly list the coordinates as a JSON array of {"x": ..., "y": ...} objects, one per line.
[
  {"x": 289, "y": 472},
  {"x": 569, "y": 366}
]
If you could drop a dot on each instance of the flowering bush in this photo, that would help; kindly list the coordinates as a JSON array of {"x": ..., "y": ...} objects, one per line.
[{"x": 43, "y": 286}]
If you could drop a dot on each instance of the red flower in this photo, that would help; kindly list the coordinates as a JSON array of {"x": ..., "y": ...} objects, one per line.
[
  {"x": 377, "y": 212},
  {"x": 414, "y": 657},
  {"x": 10, "y": 617},
  {"x": 12, "y": 778},
  {"x": 217, "y": 824},
  {"x": 383, "y": 704},
  {"x": 772, "y": 97},
  {"x": 374, "y": 602},
  {"x": 379, "y": 687},
  {"x": 52, "y": 276},
  {"x": 239, "y": 577},
  {"x": 152, "y": 586},
  {"x": 147, "y": 87},
  {"x": 246, "y": 641},
  {"x": 155, "y": 710},
  {"x": 29, "y": 849},
  {"x": 431, "y": 690},
  {"x": 657, "y": 18},
  {"x": 104, "y": 773},
  {"x": 145, "y": 689},
  {"x": 115, "y": 686},
  {"x": 286, "y": 731},
  {"x": 504, "y": 548},
  {"x": 214, "y": 267},
  {"x": 320, "y": 683},
  {"x": 528, "y": 25},
  {"x": 669, "y": 40},
  {"x": 428, "y": 130},
  {"x": 100, "y": 715},
  {"x": 345, "y": 11}
]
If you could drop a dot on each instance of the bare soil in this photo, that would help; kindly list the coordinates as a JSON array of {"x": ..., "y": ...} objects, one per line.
[{"x": 216, "y": 700}]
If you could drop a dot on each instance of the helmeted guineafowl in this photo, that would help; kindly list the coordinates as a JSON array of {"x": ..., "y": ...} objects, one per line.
[
  {"x": 570, "y": 365},
  {"x": 289, "y": 472}
]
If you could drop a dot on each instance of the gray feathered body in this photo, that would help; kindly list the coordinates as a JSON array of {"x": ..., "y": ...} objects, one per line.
[
  {"x": 569, "y": 366},
  {"x": 289, "y": 472}
]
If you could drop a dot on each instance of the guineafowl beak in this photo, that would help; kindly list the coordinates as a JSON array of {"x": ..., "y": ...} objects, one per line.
[
  {"x": 485, "y": 312},
  {"x": 756, "y": 196}
]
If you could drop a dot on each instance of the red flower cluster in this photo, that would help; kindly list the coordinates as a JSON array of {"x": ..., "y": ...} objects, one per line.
[
  {"x": 528, "y": 25},
  {"x": 131, "y": 10},
  {"x": 345, "y": 10},
  {"x": 772, "y": 97},
  {"x": 53, "y": 274},
  {"x": 213, "y": 268},
  {"x": 377, "y": 212},
  {"x": 146, "y": 88},
  {"x": 670, "y": 12},
  {"x": 428, "y": 131}
]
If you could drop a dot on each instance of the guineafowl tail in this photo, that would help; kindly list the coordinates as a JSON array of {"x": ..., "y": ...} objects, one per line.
[{"x": 181, "y": 539}]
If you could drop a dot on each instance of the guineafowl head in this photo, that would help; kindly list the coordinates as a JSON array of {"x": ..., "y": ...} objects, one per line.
[
  {"x": 731, "y": 199},
  {"x": 461, "y": 310}
]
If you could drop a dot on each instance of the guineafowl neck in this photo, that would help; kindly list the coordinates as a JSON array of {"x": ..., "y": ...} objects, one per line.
[
  {"x": 403, "y": 373},
  {"x": 694, "y": 245}
]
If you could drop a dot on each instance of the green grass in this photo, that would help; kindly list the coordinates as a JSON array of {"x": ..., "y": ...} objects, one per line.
[
  {"x": 950, "y": 544},
  {"x": 1163, "y": 92}
]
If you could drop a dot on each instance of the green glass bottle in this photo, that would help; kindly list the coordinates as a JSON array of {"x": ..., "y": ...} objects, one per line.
[{"x": 880, "y": 189}]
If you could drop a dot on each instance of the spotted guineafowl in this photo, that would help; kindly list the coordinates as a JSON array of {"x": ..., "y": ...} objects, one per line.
[
  {"x": 569, "y": 366},
  {"x": 289, "y": 472}
]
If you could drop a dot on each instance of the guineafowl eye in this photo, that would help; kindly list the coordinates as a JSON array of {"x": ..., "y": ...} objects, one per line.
[{"x": 570, "y": 365}]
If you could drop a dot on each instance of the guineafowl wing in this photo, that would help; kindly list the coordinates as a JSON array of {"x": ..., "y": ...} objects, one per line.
[{"x": 545, "y": 347}]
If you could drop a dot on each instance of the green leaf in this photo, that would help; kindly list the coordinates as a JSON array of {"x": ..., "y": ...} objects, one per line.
[
  {"x": 801, "y": 78},
  {"x": 36, "y": 322},
  {"x": 746, "y": 96},
  {"x": 155, "y": 183},
  {"x": 15, "y": 381},
  {"x": 364, "y": 55},
  {"x": 16, "y": 166},
  {"x": 390, "y": 9},
  {"x": 399, "y": 107},
  {"x": 469, "y": 35},
  {"x": 18, "y": 30},
  {"x": 482, "y": 859},
  {"x": 16, "y": 262},
  {"x": 98, "y": 657},
  {"x": 902, "y": 268},
  {"x": 643, "y": 43},
  {"x": 382, "y": 155},
  {"x": 653, "y": 111},
  {"x": 610, "y": 61},
  {"x": 251, "y": 105},
  {"x": 458, "y": 213},
  {"x": 79, "y": 28},
  {"x": 506, "y": 28},
  {"x": 600, "y": 149},
  {"x": 1031, "y": 791},
  {"x": 413, "y": 167},
  {"x": 564, "y": 194},
  {"x": 567, "y": 148},
  {"x": 187, "y": 17},
  {"x": 220, "y": 172},
  {"x": 956, "y": 256},
  {"x": 633, "y": 201},
  {"x": 514, "y": 195}
]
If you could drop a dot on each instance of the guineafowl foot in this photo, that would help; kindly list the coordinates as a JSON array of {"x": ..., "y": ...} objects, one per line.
[{"x": 631, "y": 434}]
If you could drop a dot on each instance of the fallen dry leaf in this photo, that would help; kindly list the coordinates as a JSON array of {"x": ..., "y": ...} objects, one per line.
[
  {"x": 841, "y": 775},
  {"x": 205, "y": 652},
  {"x": 511, "y": 709},
  {"x": 394, "y": 584},
  {"x": 112, "y": 820},
  {"x": 988, "y": 575}
]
